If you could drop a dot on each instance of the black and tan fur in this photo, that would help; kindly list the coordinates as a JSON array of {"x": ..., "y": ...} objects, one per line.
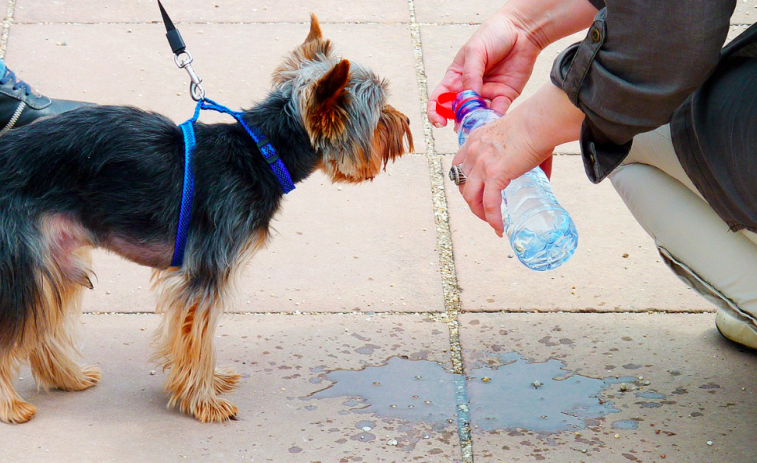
[{"x": 111, "y": 177}]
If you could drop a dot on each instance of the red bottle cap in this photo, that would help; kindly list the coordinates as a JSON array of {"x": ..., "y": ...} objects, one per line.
[{"x": 444, "y": 105}]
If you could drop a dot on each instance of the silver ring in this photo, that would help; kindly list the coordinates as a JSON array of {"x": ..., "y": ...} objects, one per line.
[{"x": 457, "y": 175}]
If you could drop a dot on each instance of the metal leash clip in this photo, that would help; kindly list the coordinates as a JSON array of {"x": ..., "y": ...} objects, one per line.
[
  {"x": 184, "y": 61},
  {"x": 181, "y": 56}
]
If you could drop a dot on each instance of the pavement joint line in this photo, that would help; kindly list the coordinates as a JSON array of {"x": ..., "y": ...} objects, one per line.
[
  {"x": 241, "y": 23},
  {"x": 7, "y": 21},
  {"x": 448, "y": 272},
  {"x": 440, "y": 316},
  {"x": 212, "y": 23},
  {"x": 292, "y": 314},
  {"x": 595, "y": 311}
]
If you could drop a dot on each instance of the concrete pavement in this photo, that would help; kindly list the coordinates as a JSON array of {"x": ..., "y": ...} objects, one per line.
[{"x": 384, "y": 323}]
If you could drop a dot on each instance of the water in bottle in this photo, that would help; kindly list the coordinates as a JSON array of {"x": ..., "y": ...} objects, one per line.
[{"x": 540, "y": 231}]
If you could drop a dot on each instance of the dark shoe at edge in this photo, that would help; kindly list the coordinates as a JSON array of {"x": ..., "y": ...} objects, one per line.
[{"x": 20, "y": 105}]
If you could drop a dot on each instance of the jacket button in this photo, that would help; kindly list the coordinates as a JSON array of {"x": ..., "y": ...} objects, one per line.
[
  {"x": 592, "y": 150},
  {"x": 595, "y": 36}
]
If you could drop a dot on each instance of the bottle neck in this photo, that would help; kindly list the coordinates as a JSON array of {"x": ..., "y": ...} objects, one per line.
[{"x": 466, "y": 102}]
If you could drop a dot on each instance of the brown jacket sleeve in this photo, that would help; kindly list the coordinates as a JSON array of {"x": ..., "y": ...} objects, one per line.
[{"x": 640, "y": 60}]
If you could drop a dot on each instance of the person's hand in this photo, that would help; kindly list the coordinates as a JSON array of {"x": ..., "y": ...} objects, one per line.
[
  {"x": 492, "y": 156},
  {"x": 496, "y": 63},
  {"x": 509, "y": 147}
]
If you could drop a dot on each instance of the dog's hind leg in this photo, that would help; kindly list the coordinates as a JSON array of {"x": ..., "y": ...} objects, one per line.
[
  {"x": 186, "y": 348},
  {"x": 54, "y": 357}
]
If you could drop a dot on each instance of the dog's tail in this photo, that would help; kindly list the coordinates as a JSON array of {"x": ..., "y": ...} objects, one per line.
[{"x": 21, "y": 280}]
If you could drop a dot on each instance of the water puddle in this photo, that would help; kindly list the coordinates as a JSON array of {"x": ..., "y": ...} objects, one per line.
[
  {"x": 625, "y": 424},
  {"x": 540, "y": 397},
  {"x": 516, "y": 394},
  {"x": 411, "y": 390}
]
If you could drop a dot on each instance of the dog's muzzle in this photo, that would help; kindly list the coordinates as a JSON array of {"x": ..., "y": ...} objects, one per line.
[{"x": 457, "y": 175}]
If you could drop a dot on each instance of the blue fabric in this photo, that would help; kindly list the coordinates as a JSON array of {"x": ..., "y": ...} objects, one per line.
[
  {"x": 187, "y": 194},
  {"x": 268, "y": 151},
  {"x": 187, "y": 128}
]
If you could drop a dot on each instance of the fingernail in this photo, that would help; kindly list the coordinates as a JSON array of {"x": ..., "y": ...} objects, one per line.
[{"x": 438, "y": 125}]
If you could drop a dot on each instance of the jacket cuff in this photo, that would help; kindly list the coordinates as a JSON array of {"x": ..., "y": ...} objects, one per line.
[
  {"x": 570, "y": 68},
  {"x": 600, "y": 155}
]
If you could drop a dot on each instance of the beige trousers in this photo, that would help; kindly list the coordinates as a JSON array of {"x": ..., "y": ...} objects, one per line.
[{"x": 693, "y": 241}]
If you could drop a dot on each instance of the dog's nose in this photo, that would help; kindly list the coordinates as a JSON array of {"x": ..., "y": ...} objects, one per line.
[{"x": 407, "y": 119}]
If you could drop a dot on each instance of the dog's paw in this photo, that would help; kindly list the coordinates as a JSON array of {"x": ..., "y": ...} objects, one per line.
[
  {"x": 215, "y": 410},
  {"x": 225, "y": 380},
  {"x": 89, "y": 377},
  {"x": 17, "y": 412}
]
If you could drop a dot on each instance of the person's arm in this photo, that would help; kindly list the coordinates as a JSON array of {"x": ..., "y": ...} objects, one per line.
[
  {"x": 498, "y": 59},
  {"x": 507, "y": 148}
]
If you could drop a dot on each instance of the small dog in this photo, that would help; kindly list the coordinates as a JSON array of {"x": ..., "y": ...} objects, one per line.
[{"x": 112, "y": 177}]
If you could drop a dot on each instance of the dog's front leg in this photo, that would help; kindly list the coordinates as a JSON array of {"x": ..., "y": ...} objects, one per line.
[{"x": 186, "y": 349}]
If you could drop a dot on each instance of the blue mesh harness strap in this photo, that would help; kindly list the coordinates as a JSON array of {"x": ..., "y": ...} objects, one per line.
[{"x": 187, "y": 128}]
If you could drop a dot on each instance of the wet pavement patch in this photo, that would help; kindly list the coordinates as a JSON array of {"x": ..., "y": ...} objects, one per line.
[
  {"x": 411, "y": 390},
  {"x": 625, "y": 424},
  {"x": 541, "y": 397},
  {"x": 414, "y": 391}
]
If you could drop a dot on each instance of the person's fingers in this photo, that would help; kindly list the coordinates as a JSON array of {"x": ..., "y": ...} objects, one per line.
[
  {"x": 491, "y": 203},
  {"x": 433, "y": 116},
  {"x": 546, "y": 166},
  {"x": 472, "y": 193},
  {"x": 460, "y": 157},
  {"x": 450, "y": 83},
  {"x": 436, "y": 120},
  {"x": 501, "y": 104},
  {"x": 474, "y": 68},
  {"x": 501, "y": 95}
]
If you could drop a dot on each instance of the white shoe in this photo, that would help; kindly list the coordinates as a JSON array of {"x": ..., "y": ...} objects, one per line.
[{"x": 736, "y": 329}]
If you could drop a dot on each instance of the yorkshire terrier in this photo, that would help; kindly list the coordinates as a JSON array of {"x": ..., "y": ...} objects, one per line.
[{"x": 112, "y": 176}]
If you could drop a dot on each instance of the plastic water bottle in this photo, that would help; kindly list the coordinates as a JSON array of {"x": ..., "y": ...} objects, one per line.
[{"x": 541, "y": 232}]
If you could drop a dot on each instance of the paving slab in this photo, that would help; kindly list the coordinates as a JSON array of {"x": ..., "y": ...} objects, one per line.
[
  {"x": 689, "y": 394},
  {"x": 615, "y": 268},
  {"x": 132, "y": 64},
  {"x": 745, "y": 12},
  {"x": 82, "y": 11},
  {"x": 441, "y": 43},
  {"x": 735, "y": 31},
  {"x": 284, "y": 360},
  {"x": 477, "y": 11},
  {"x": 336, "y": 248}
]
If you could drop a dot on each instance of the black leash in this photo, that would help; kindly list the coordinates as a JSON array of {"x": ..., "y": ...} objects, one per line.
[{"x": 181, "y": 56}]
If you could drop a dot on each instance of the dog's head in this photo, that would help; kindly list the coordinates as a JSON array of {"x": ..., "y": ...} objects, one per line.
[{"x": 344, "y": 110}]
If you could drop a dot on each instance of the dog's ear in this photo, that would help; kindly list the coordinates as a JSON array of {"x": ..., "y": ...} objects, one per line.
[
  {"x": 326, "y": 107},
  {"x": 314, "y": 48},
  {"x": 330, "y": 87},
  {"x": 315, "y": 29}
]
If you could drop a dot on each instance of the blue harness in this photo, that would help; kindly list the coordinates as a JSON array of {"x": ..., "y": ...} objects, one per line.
[{"x": 265, "y": 147}]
